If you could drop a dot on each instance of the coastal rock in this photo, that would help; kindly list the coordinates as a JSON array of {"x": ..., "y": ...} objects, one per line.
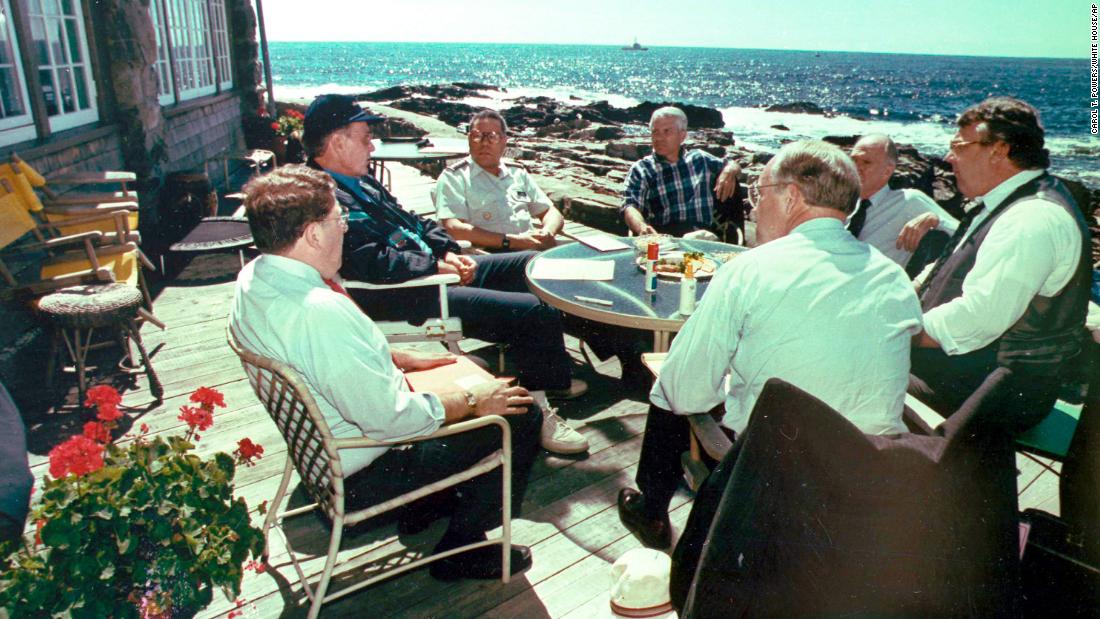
[
  {"x": 781, "y": 127},
  {"x": 451, "y": 113},
  {"x": 798, "y": 107},
  {"x": 629, "y": 150}
]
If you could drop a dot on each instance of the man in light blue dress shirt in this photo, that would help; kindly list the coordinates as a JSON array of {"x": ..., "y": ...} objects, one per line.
[
  {"x": 811, "y": 305},
  {"x": 288, "y": 307}
]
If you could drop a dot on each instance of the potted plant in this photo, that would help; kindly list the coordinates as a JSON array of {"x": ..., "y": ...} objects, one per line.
[
  {"x": 142, "y": 528},
  {"x": 288, "y": 129}
]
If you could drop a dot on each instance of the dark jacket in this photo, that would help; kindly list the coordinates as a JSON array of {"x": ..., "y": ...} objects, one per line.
[{"x": 375, "y": 249}]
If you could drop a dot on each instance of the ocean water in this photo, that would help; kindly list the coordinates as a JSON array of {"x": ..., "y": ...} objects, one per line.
[{"x": 914, "y": 98}]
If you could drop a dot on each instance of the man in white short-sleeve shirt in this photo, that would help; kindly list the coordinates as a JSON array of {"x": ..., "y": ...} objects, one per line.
[
  {"x": 491, "y": 203},
  {"x": 1012, "y": 290}
]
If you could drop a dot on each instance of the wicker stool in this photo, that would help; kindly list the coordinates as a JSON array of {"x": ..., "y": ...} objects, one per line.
[{"x": 77, "y": 310}]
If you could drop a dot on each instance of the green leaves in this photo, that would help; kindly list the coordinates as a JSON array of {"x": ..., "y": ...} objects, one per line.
[{"x": 155, "y": 515}]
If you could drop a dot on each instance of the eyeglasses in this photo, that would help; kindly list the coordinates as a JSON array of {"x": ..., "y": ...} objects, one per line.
[
  {"x": 492, "y": 137},
  {"x": 342, "y": 218},
  {"x": 754, "y": 192},
  {"x": 956, "y": 145}
]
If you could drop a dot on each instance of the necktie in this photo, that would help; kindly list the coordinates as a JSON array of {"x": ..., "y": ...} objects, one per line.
[
  {"x": 336, "y": 287},
  {"x": 855, "y": 224},
  {"x": 960, "y": 232}
]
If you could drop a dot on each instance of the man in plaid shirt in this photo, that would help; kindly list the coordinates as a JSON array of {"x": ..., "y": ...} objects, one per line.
[{"x": 673, "y": 191}]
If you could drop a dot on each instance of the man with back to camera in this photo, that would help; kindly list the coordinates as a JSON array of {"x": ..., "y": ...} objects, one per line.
[
  {"x": 673, "y": 190},
  {"x": 810, "y": 304},
  {"x": 1012, "y": 288},
  {"x": 287, "y": 307},
  {"x": 384, "y": 243},
  {"x": 894, "y": 221}
]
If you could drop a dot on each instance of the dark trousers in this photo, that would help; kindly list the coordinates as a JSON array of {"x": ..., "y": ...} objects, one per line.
[
  {"x": 667, "y": 435},
  {"x": 945, "y": 381},
  {"x": 478, "y": 507},
  {"x": 496, "y": 307}
]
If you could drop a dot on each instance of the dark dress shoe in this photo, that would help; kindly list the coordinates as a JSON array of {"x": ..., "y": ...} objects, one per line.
[
  {"x": 653, "y": 532},
  {"x": 480, "y": 563}
]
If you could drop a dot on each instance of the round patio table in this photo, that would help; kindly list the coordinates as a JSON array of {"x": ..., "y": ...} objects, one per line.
[
  {"x": 418, "y": 152},
  {"x": 630, "y": 305}
]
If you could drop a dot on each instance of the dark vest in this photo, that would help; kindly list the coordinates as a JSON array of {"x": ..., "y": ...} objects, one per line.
[{"x": 1049, "y": 332}]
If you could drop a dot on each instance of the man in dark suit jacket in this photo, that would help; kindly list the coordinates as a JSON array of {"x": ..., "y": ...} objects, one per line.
[{"x": 385, "y": 243}]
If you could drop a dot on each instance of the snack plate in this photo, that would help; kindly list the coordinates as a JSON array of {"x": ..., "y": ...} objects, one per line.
[{"x": 704, "y": 268}]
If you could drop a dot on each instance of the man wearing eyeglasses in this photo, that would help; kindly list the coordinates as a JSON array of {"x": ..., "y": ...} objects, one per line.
[
  {"x": 673, "y": 190},
  {"x": 491, "y": 203},
  {"x": 1012, "y": 288},
  {"x": 810, "y": 304},
  {"x": 385, "y": 243}
]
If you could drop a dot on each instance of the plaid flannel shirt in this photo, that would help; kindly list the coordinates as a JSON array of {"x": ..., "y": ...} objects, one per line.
[{"x": 675, "y": 192}]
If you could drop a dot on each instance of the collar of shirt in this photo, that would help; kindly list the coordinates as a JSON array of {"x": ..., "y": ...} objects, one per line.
[
  {"x": 297, "y": 271},
  {"x": 879, "y": 195},
  {"x": 820, "y": 226},
  {"x": 679, "y": 157},
  {"x": 476, "y": 169},
  {"x": 995, "y": 196},
  {"x": 350, "y": 182}
]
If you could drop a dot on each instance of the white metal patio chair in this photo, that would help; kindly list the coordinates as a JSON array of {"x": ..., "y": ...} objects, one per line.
[
  {"x": 446, "y": 328},
  {"x": 315, "y": 454}
]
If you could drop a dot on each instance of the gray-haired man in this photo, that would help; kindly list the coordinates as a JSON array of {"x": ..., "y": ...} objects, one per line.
[{"x": 672, "y": 190}]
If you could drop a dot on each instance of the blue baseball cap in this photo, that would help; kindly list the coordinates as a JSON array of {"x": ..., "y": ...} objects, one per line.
[{"x": 328, "y": 113}]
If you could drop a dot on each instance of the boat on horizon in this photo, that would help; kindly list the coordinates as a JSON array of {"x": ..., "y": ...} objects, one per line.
[{"x": 635, "y": 47}]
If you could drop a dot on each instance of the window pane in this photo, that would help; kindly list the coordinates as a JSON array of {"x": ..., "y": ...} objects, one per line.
[
  {"x": 10, "y": 98},
  {"x": 57, "y": 45},
  {"x": 73, "y": 40},
  {"x": 41, "y": 49},
  {"x": 65, "y": 83},
  {"x": 82, "y": 101},
  {"x": 49, "y": 94},
  {"x": 67, "y": 7},
  {"x": 49, "y": 7}
]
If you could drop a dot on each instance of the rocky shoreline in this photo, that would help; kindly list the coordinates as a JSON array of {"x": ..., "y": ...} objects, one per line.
[{"x": 581, "y": 152}]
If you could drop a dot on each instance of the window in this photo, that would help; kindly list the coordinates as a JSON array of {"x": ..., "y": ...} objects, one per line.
[
  {"x": 61, "y": 52},
  {"x": 16, "y": 123},
  {"x": 192, "y": 48}
]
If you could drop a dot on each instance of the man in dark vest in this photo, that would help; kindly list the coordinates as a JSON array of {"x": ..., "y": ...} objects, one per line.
[{"x": 1011, "y": 288}]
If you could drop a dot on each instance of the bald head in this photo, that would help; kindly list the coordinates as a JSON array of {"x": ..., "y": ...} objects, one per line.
[{"x": 875, "y": 156}]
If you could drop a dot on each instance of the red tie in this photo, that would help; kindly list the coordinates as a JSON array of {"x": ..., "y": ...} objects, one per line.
[{"x": 336, "y": 287}]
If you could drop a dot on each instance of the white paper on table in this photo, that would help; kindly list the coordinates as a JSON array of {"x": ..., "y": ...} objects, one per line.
[
  {"x": 573, "y": 268},
  {"x": 602, "y": 242}
]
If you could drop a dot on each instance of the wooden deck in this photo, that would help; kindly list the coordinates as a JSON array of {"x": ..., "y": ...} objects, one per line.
[{"x": 569, "y": 517}]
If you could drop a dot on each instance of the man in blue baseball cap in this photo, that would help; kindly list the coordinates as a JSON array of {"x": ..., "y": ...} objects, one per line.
[{"x": 385, "y": 243}]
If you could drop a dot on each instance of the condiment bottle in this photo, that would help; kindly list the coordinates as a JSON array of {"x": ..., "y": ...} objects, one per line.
[
  {"x": 651, "y": 254},
  {"x": 687, "y": 289}
]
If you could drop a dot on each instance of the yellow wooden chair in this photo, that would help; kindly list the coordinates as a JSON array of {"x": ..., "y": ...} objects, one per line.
[{"x": 69, "y": 210}]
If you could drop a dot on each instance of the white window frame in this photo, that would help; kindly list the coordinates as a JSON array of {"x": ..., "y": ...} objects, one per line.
[
  {"x": 163, "y": 67},
  {"x": 20, "y": 127},
  {"x": 197, "y": 31},
  {"x": 66, "y": 120}
]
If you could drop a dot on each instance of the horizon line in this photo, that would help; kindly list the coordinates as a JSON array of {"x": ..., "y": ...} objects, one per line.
[{"x": 755, "y": 49}]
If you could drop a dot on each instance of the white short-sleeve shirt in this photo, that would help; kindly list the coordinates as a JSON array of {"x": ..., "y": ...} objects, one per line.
[{"x": 504, "y": 203}]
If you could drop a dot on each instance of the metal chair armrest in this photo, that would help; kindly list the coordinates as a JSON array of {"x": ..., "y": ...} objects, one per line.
[
  {"x": 465, "y": 425},
  {"x": 427, "y": 280},
  {"x": 921, "y": 415}
]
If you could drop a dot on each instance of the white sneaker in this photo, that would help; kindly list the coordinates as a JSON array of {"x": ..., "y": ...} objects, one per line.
[{"x": 558, "y": 437}]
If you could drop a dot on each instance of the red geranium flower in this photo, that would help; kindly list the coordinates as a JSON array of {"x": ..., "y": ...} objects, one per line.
[
  {"x": 97, "y": 432},
  {"x": 196, "y": 418},
  {"x": 208, "y": 398},
  {"x": 275, "y": 126},
  {"x": 38, "y": 531},
  {"x": 108, "y": 412},
  {"x": 101, "y": 395},
  {"x": 247, "y": 450},
  {"x": 78, "y": 455}
]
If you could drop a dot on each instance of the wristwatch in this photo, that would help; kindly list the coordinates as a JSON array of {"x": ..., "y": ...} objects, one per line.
[
  {"x": 471, "y": 402},
  {"x": 504, "y": 242}
]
